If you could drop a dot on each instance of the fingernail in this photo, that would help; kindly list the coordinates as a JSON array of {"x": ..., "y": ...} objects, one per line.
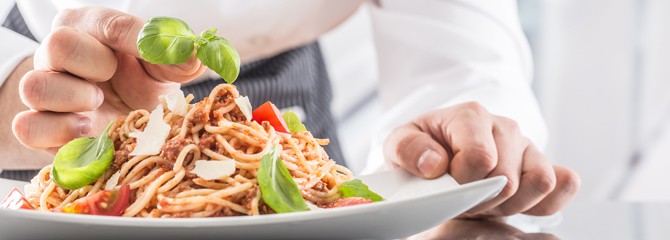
[
  {"x": 85, "y": 125},
  {"x": 101, "y": 97},
  {"x": 428, "y": 162}
]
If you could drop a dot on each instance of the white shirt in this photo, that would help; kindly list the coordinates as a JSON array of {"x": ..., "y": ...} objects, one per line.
[{"x": 431, "y": 53}]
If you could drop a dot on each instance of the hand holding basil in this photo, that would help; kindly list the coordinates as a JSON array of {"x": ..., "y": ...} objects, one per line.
[
  {"x": 165, "y": 40},
  {"x": 83, "y": 160}
]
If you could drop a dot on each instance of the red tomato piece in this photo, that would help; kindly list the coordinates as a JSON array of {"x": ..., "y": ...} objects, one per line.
[
  {"x": 106, "y": 203},
  {"x": 269, "y": 112},
  {"x": 350, "y": 201},
  {"x": 16, "y": 200}
]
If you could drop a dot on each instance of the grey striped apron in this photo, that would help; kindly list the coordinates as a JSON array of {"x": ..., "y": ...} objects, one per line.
[{"x": 295, "y": 78}]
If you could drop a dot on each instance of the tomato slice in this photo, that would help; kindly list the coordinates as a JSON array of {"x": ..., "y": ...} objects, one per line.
[
  {"x": 106, "y": 203},
  {"x": 350, "y": 201},
  {"x": 16, "y": 200},
  {"x": 269, "y": 112}
]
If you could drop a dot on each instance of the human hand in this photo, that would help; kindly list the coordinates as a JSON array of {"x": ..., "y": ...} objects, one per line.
[
  {"x": 469, "y": 143},
  {"x": 87, "y": 72}
]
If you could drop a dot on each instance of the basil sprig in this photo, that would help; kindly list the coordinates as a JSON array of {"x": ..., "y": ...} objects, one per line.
[
  {"x": 166, "y": 40},
  {"x": 278, "y": 189},
  {"x": 217, "y": 54},
  {"x": 83, "y": 160},
  {"x": 293, "y": 122},
  {"x": 356, "y": 188}
]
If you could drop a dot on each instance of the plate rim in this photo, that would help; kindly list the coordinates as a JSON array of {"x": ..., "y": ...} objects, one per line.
[{"x": 495, "y": 183}]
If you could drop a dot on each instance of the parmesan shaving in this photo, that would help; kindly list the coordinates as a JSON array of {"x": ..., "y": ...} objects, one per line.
[
  {"x": 112, "y": 181},
  {"x": 176, "y": 102},
  {"x": 213, "y": 169},
  {"x": 245, "y": 106},
  {"x": 152, "y": 139}
]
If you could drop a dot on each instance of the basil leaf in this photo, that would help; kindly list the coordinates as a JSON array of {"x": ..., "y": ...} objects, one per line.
[
  {"x": 209, "y": 34},
  {"x": 165, "y": 40},
  {"x": 278, "y": 189},
  {"x": 217, "y": 54},
  {"x": 293, "y": 122},
  {"x": 356, "y": 188},
  {"x": 83, "y": 160}
]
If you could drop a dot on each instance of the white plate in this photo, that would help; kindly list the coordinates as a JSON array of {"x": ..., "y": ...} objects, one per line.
[{"x": 411, "y": 205}]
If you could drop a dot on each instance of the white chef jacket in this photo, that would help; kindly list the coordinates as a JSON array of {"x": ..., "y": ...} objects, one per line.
[{"x": 431, "y": 53}]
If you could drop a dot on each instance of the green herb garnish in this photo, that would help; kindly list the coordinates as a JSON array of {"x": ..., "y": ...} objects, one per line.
[
  {"x": 83, "y": 160},
  {"x": 356, "y": 188},
  {"x": 165, "y": 40},
  {"x": 217, "y": 54},
  {"x": 278, "y": 189},
  {"x": 293, "y": 122}
]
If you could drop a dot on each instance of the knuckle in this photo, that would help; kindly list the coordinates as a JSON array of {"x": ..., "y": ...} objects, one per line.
[
  {"x": 510, "y": 188},
  {"x": 115, "y": 27},
  {"x": 483, "y": 158},
  {"x": 60, "y": 44},
  {"x": 33, "y": 88},
  {"x": 570, "y": 182},
  {"x": 543, "y": 183},
  {"x": 507, "y": 125},
  {"x": 24, "y": 129},
  {"x": 66, "y": 16},
  {"x": 475, "y": 108}
]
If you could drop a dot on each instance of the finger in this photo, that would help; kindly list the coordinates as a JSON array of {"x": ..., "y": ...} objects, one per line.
[
  {"x": 138, "y": 92},
  {"x": 179, "y": 73},
  {"x": 567, "y": 186},
  {"x": 470, "y": 135},
  {"x": 119, "y": 31},
  {"x": 115, "y": 29},
  {"x": 59, "y": 92},
  {"x": 68, "y": 50},
  {"x": 414, "y": 150},
  {"x": 42, "y": 130},
  {"x": 510, "y": 146},
  {"x": 538, "y": 179}
]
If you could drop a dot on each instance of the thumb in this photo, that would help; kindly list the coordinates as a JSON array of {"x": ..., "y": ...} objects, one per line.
[
  {"x": 416, "y": 151},
  {"x": 119, "y": 31}
]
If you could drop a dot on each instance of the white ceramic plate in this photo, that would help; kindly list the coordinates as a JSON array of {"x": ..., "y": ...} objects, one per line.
[{"x": 411, "y": 205}]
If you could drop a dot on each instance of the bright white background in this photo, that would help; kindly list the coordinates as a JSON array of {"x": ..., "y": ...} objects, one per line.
[{"x": 603, "y": 82}]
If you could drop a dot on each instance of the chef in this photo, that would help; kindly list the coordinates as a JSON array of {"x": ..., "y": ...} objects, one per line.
[{"x": 454, "y": 80}]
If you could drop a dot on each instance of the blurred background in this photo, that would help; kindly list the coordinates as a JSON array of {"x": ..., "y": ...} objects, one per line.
[
  {"x": 601, "y": 80},
  {"x": 602, "y": 77}
]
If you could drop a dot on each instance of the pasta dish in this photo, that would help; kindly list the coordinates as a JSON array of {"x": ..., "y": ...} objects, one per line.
[{"x": 215, "y": 130}]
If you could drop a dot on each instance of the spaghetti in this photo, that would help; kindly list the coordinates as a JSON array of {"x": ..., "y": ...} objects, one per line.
[{"x": 214, "y": 129}]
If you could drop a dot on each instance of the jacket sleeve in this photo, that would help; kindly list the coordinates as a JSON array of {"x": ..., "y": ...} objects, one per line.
[{"x": 15, "y": 48}]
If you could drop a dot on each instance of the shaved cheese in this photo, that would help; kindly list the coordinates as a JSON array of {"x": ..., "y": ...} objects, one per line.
[
  {"x": 152, "y": 139},
  {"x": 29, "y": 189},
  {"x": 135, "y": 134},
  {"x": 214, "y": 169},
  {"x": 245, "y": 106},
  {"x": 112, "y": 181},
  {"x": 176, "y": 103}
]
